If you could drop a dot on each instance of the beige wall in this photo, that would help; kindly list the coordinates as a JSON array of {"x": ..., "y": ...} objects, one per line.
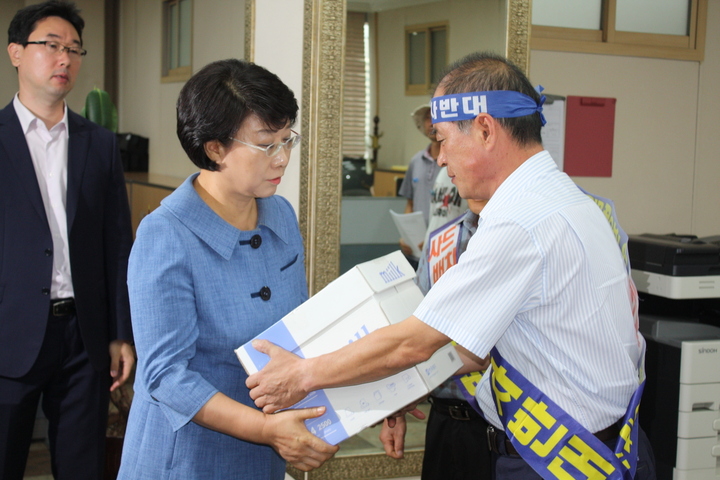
[
  {"x": 473, "y": 25},
  {"x": 283, "y": 55},
  {"x": 147, "y": 106},
  {"x": 666, "y": 165},
  {"x": 92, "y": 71},
  {"x": 706, "y": 191},
  {"x": 8, "y": 85}
]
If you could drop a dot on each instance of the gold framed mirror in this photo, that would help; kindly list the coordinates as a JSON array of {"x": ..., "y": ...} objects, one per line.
[
  {"x": 321, "y": 190},
  {"x": 320, "y": 181}
]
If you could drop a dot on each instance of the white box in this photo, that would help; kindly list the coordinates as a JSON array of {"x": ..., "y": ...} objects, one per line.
[{"x": 372, "y": 295}]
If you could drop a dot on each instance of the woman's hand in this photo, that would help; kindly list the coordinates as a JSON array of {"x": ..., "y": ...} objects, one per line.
[{"x": 286, "y": 433}]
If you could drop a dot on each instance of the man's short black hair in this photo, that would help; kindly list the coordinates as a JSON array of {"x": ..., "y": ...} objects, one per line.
[
  {"x": 215, "y": 102},
  {"x": 485, "y": 71},
  {"x": 26, "y": 19}
]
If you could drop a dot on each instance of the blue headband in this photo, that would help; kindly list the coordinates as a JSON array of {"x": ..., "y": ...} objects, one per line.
[{"x": 497, "y": 103}]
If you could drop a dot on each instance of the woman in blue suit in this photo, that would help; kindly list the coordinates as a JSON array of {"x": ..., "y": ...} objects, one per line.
[{"x": 217, "y": 263}]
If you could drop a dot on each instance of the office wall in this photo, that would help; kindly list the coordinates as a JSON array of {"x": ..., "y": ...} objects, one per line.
[
  {"x": 473, "y": 25},
  {"x": 8, "y": 85},
  {"x": 147, "y": 106},
  {"x": 666, "y": 166},
  {"x": 706, "y": 188},
  {"x": 92, "y": 71},
  {"x": 666, "y": 155},
  {"x": 284, "y": 57}
]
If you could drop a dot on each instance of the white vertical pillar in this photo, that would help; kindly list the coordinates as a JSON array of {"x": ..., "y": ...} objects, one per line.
[{"x": 279, "y": 48}]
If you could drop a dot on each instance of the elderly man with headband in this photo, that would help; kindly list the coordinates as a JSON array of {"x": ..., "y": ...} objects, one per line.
[{"x": 542, "y": 289}]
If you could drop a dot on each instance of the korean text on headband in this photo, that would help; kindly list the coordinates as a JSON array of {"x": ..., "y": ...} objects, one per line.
[{"x": 497, "y": 103}]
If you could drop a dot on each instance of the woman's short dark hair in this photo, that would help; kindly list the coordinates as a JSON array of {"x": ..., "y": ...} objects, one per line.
[
  {"x": 484, "y": 71},
  {"x": 215, "y": 102},
  {"x": 26, "y": 19}
]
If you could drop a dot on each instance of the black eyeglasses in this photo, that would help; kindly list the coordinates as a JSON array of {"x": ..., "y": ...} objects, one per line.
[{"x": 55, "y": 48}]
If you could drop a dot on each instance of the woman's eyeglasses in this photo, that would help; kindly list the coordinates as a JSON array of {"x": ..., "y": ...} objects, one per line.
[{"x": 274, "y": 148}]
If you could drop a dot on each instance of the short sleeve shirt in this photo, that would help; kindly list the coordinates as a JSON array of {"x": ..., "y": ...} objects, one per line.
[
  {"x": 543, "y": 280},
  {"x": 419, "y": 180}
]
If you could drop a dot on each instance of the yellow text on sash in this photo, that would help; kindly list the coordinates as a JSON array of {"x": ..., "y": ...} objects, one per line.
[
  {"x": 470, "y": 381},
  {"x": 582, "y": 457},
  {"x": 532, "y": 419},
  {"x": 504, "y": 388},
  {"x": 625, "y": 433}
]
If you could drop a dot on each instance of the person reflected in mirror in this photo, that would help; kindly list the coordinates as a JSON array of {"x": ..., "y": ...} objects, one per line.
[
  {"x": 217, "y": 263},
  {"x": 65, "y": 237},
  {"x": 446, "y": 203},
  {"x": 420, "y": 176},
  {"x": 455, "y": 437}
]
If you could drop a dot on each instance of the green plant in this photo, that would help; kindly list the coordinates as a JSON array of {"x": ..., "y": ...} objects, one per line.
[{"x": 100, "y": 109}]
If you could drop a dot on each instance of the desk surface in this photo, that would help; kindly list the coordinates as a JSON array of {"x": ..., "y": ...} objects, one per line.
[{"x": 154, "y": 180}]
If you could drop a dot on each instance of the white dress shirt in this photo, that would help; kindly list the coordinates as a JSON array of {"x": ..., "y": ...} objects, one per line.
[
  {"x": 49, "y": 152},
  {"x": 543, "y": 280}
]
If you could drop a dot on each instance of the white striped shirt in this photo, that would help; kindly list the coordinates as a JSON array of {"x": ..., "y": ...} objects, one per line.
[{"x": 544, "y": 281}]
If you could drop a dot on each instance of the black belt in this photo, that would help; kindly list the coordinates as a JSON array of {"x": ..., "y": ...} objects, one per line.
[
  {"x": 494, "y": 437},
  {"x": 62, "y": 307},
  {"x": 456, "y": 409}
]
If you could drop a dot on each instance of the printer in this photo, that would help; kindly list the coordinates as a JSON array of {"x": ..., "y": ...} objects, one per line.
[
  {"x": 677, "y": 275},
  {"x": 678, "y": 282}
]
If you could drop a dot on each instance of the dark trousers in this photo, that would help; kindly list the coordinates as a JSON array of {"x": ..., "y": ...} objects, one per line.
[
  {"x": 74, "y": 399},
  {"x": 456, "y": 449},
  {"x": 512, "y": 467}
]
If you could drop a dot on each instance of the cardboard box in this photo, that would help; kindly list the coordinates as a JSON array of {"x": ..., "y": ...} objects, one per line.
[{"x": 372, "y": 295}]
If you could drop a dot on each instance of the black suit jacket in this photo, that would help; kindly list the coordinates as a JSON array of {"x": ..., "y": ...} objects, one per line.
[{"x": 99, "y": 233}]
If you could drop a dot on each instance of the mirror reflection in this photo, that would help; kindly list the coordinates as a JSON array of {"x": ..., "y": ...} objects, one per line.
[
  {"x": 395, "y": 51},
  {"x": 361, "y": 223}
]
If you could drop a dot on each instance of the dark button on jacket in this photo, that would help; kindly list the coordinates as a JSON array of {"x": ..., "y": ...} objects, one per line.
[{"x": 265, "y": 293}]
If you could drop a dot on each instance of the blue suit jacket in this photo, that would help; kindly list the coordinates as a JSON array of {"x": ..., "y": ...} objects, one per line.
[{"x": 100, "y": 237}]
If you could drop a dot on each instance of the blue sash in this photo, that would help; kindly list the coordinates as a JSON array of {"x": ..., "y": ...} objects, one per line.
[{"x": 553, "y": 443}]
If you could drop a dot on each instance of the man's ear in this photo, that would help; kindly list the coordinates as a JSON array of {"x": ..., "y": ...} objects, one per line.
[
  {"x": 15, "y": 53},
  {"x": 485, "y": 127}
]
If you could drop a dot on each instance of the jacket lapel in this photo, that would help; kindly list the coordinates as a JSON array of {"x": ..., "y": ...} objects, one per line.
[
  {"x": 17, "y": 154},
  {"x": 78, "y": 145}
]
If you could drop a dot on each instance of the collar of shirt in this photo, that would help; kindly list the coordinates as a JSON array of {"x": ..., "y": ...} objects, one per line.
[
  {"x": 222, "y": 237},
  {"x": 470, "y": 221},
  {"x": 526, "y": 174},
  {"x": 29, "y": 121},
  {"x": 426, "y": 155}
]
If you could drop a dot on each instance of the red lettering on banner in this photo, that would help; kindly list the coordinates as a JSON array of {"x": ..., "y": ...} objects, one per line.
[
  {"x": 443, "y": 265},
  {"x": 441, "y": 243},
  {"x": 434, "y": 247}
]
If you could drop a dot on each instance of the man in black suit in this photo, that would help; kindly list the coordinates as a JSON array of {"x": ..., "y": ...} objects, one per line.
[{"x": 65, "y": 237}]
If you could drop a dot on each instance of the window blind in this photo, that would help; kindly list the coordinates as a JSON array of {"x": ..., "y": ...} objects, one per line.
[{"x": 355, "y": 88}]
